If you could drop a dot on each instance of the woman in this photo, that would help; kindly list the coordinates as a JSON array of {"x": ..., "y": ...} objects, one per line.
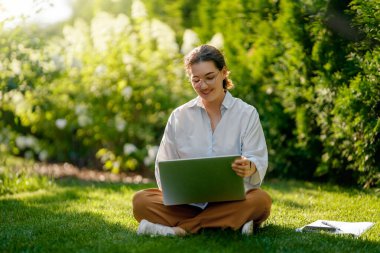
[{"x": 213, "y": 124}]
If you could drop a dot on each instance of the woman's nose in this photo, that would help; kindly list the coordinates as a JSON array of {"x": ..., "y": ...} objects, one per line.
[{"x": 203, "y": 85}]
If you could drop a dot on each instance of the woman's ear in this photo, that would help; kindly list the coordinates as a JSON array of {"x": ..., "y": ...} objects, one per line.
[{"x": 225, "y": 72}]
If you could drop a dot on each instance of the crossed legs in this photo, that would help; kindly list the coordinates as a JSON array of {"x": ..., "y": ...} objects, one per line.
[{"x": 148, "y": 205}]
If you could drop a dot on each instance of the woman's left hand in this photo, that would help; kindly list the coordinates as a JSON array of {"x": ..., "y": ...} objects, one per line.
[{"x": 243, "y": 167}]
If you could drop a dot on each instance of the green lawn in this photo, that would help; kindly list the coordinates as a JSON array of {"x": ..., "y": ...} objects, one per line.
[{"x": 78, "y": 216}]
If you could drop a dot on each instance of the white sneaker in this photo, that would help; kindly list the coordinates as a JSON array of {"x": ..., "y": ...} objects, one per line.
[
  {"x": 149, "y": 228},
  {"x": 247, "y": 228}
]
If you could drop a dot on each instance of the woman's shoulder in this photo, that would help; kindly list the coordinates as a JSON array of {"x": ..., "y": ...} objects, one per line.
[
  {"x": 241, "y": 105},
  {"x": 187, "y": 106},
  {"x": 184, "y": 109}
]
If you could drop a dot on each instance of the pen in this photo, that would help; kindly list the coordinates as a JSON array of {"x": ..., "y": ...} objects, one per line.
[{"x": 331, "y": 225}]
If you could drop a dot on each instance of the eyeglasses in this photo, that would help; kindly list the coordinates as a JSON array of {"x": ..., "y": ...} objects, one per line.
[{"x": 209, "y": 80}]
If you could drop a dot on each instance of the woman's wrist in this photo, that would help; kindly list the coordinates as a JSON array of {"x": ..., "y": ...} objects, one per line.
[{"x": 252, "y": 166}]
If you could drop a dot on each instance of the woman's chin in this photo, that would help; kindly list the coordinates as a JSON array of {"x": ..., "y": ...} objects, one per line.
[{"x": 206, "y": 97}]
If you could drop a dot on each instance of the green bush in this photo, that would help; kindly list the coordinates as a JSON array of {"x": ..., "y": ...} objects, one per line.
[
  {"x": 103, "y": 89},
  {"x": 312, "y": 70}
]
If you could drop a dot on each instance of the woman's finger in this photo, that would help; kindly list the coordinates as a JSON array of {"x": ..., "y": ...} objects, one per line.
[
  {"x": 242, "y": 165},
  {"x": 242, "y": 172},
  {"x": 241, "y": 162}
]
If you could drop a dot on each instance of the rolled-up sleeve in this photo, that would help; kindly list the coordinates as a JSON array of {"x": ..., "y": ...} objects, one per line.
[{"x": 255, "y": 149}]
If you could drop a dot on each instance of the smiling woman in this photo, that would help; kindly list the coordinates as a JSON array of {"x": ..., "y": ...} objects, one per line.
[
  {"x": 15, "y": 12},
  {"x": 213, "y": 124}
]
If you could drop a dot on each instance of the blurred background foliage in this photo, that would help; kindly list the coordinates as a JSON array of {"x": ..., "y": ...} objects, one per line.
[{"x": 96, "y": 90}]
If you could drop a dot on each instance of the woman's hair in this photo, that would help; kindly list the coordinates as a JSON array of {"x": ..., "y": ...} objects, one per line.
[{"x": 208, "y": 53}]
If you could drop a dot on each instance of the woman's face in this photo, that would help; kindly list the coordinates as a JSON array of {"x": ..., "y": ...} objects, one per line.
[{"x": 207, "y": 81}]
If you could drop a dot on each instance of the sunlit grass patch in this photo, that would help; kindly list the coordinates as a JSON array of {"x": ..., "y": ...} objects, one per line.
[{"x": 17, "y": 175}]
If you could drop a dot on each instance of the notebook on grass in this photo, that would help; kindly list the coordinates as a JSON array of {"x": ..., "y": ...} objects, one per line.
[
  {"x": 337, "y": 227},
  {"x": 197, "y": 180}
]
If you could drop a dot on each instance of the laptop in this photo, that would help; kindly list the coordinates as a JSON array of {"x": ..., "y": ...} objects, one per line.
[{"x": 198, "y": 180}]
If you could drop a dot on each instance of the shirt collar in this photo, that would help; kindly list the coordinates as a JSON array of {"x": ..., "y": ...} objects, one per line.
[{"x": 227, "y": 101}]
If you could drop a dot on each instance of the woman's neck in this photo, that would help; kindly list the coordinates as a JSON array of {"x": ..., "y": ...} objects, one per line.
[{"x": 214, "y": 106}]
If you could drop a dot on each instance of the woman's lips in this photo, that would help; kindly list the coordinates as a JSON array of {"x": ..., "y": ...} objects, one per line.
[{"x": 205, "y": 92}]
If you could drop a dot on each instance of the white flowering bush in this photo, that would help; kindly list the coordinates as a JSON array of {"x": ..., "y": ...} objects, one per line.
[{"x": 101, "y": 92}]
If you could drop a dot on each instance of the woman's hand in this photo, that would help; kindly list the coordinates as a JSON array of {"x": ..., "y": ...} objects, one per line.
[{"x": 243, "y": 167}]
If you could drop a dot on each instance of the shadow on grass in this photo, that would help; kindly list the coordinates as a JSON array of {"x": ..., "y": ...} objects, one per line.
[
  {"x": 37, "y": 224},
  {"x": 274, "y": 238}
]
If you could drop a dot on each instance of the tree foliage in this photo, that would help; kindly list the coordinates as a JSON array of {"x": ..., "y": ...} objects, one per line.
[
  {"x": 312, "y": 70},
  {"x": 104, "y": 87}
]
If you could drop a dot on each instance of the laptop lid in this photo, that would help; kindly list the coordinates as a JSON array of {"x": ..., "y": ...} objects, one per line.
[{"x": 197, "y": 180}]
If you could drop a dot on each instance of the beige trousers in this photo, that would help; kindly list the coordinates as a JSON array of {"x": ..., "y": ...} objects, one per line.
[{"x": 148, "y": 205}]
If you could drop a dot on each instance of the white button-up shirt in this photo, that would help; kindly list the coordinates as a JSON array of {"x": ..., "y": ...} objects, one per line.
[{"x": 188, "y": 134}]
